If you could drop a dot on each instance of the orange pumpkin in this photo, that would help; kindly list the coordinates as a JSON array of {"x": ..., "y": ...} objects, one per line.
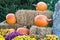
[
  {"x": 11, "y": 18},
  {"x": 23, "y": 30},
  {"x": 41, "y": 20},
  {"x": 11, "y": 30},
  {"x": 41, "y": 6}
]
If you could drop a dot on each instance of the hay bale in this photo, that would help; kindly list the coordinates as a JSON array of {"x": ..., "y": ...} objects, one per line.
[
  {"x": 33, "y": 30},
  {"x": 41, "y": 31},
  {"x": 26, "y": 17},
  {"x": 46, "y": 13},
  {"x": 4, "y": 25}
]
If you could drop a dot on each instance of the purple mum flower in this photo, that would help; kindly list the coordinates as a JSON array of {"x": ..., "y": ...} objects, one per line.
[{"x": 12, "y": 35}]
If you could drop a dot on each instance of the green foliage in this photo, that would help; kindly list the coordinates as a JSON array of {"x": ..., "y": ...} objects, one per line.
[{"x": 8, "y": 6}]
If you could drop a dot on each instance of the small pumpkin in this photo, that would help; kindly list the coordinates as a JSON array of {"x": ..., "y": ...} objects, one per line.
[
  {"x": 23, "y": 30},
  {"x": 11, "y": 18},
  {"x": 41, "y": 20},
  {"x": 41, "y": 6}
]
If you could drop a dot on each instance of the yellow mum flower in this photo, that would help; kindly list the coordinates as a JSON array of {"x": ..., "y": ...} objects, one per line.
[{"x": 33, "y": 38}]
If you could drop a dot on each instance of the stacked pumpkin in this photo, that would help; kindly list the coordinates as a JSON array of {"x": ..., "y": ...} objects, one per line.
[
  {"x": 41, "y": 6},
  {"x": 41, "y": 20},
  {"x": 11, "y": 18}
]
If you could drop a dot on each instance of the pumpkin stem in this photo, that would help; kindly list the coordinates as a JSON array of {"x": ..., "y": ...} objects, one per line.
[
  {"x": 49, "y": 19},
  {"x": 25, "y": 26}
]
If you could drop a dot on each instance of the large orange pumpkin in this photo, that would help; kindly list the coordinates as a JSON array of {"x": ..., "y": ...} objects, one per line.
[
  {"x": 23, "y": 30},
  {"x": 41, "y": 20},
  {"x": 41, "y": 6},
  {"x": 11, "y": 18}
]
